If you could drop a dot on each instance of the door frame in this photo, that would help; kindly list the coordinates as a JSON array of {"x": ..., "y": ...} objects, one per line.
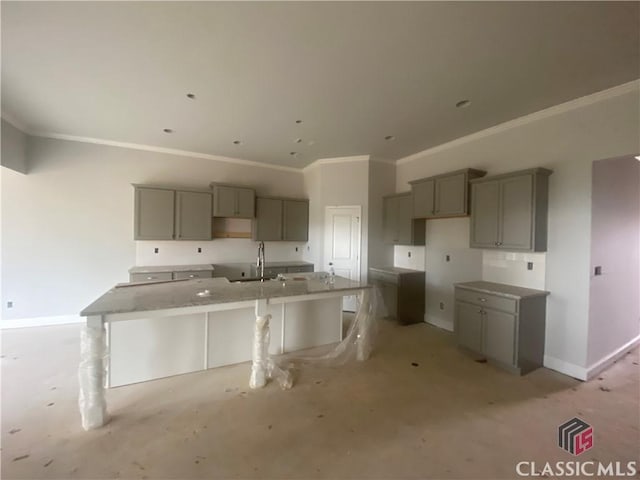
[{"x": 324, "y": 252}]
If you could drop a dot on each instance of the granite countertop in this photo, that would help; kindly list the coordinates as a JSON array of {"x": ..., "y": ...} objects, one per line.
[
  {"x": 394, "y": 270},
  {"x": 501, "y": 289},
  {"x": 171, "y": 268},
  {"x": 178, "y": 294}
]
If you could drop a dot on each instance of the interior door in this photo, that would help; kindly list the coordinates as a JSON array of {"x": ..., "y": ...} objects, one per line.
[{"x": 342, "y": 245}]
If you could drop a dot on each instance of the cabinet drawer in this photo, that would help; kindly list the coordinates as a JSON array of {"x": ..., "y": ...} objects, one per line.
[
  {"x": 487, "y": 300},
  {"x": 383, "y": 277},
  {"x": 300, "y": 269},
  {"x": 149, "y": 277},
  {"x": 192, "y": 274}
]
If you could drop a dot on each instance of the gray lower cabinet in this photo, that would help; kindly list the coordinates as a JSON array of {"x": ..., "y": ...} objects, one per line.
[
  {"x": 398, "y": 225},
  {"x": 170, "y": 214},
  {"x": 402, "y": 291},
  {"x": 445, "y": 195},
  {"x": 509, "y": 331},
  {"x": 233, "y": 202},
  {"x": 510, "y": 211},
  {"x": 154, "y": 214},
  {"x": 281, "y": 219}
]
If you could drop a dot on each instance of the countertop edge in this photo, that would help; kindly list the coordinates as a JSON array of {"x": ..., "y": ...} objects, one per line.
[{"x": 534, "y": 292}]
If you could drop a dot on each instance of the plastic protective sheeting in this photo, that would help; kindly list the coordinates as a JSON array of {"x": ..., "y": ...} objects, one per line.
[
  {"x": 91, "y": 373},
  {"x": 357, "y": 344}
]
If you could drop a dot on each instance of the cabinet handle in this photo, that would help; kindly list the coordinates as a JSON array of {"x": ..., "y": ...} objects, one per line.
[
  {"x": 192, "y": 276},
  {"x": 499, "y": 243},
  {"x": 482, "y": 299},
  {"x": 480, "y": 311},
  {"x": 150, "y": 278}
]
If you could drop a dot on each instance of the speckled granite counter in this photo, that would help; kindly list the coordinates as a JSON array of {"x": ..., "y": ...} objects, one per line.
[
  {"x": 393, "y": 270},
  {"x": 501, "y": 289},
  {"x": 178, "y": 294},
  {"x": 172, "y": 268}
]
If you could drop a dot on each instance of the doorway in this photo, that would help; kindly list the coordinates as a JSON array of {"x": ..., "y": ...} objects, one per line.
[{"x": 342, "y": 247}]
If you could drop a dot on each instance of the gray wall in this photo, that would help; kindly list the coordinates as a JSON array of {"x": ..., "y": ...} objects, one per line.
[
  {"x": 614, "y": 296},
  {"x": 14, "y": 148},
  {"x": 382, "y": 179},
  {"x": 71, "y": 238}
]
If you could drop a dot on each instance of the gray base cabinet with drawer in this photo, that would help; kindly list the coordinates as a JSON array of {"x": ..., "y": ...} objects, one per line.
[
  {"x": 508, "y": 330},
  {"x": 403, "y": 293}
]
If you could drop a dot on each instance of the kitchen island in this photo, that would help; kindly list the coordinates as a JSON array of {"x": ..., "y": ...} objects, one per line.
[{"x": 147, "y": 331}]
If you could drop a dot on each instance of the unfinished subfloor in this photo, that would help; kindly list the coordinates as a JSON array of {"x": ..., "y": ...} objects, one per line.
[{"x": 419, "y": 408}]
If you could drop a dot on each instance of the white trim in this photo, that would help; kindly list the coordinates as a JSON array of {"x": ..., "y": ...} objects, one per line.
[
  {"x": 567, "y": 368},
  {"x": 169, "y": 151},
  {"x": 40, "y": 321},
  {"x": 437, "y": 322},
  {"x": 608, "y": 360},
  {"x": 533, "y": 117},
  {"x": 326, "y": 161},
  {"x": 7, "y": 117}
]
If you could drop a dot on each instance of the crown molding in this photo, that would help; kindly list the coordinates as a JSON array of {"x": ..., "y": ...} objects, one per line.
[
  {"x": 169, "y": 151},
  {"x": 327, "y": 161},
  {"x": 613, "y": 92}
]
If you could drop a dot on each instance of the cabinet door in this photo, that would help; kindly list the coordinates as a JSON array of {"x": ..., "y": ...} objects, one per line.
[
  {"x": 193, "y": 216},
  {"x": 516, "y": 212},
  {"x": 296, "y": 221},
  {"x": 404, "y": 220},
  {"x": 451, "y": 195},
  {"x": 224, "y": 201},
  {"x": 468, "y": 326},
  {"x": 268, "y": 222},
  {"x": 485, "y": 207},
  {"x": 246, "y": 202},
  {"x": 154, "y": 214},
  {"x": 423, "y": 198},
  {"x": 499, "y": 336},
  {"x": 389, "y": 220}
]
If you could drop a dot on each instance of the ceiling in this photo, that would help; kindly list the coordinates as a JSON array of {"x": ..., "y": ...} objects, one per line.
[{"x": 352, "y": 72}]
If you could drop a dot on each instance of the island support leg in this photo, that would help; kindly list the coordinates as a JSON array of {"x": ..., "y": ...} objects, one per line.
[
  {"x": 92, "y": 401},
  {"x": 258, "y": 377}
]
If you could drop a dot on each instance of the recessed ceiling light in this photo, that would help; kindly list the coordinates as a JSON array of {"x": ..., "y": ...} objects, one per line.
[
  {"x": 191, "y": 96},
  {"x": 298, "y": 140},
  {"x": 167, "y": 130},
  {"x": 237, "y": 142},
  {"x": 298, "y": 121},
  {"x": 463, "y": 103},
  {"x": 389, "y": 137}
]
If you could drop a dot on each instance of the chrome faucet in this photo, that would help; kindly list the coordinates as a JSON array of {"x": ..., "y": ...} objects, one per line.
[{"x": 260, "y": 262}]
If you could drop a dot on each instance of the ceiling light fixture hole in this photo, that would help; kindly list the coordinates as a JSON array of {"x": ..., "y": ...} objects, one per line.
[
  {"x": 298, "y": 121},
  {"x": 463, "y": 103},
  {"x": 191, "y": 96},
  {"x": 167, "y": 130},
  {"x": 293, "y": 153},
  {"x": 298, "y": 140},
  {"x": 389, "y": 137},
  {"x": 237, "y": 142}
]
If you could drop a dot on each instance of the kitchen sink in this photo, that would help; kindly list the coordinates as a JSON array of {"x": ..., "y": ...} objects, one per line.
[{"x": 253, "y": 279}]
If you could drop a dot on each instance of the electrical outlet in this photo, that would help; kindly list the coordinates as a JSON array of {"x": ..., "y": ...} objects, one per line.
[
  {"x": 597, "y": 270},
  {"x": 441, "y": 305},
  {"x": 296, "y": 249},
  {"x": 199, "y": 250},
  {"x": 156, "y": 250},
  {"x": 529, "y": 265},
  {"x": 447, "y": 258},
  {"x": 308, "y": 248},
  {"x": 409, "y": 254},
  {"x": 9, "y": 304}
]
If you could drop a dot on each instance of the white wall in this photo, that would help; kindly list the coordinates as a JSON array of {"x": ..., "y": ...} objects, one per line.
[
  {"x": 565, "y": 139},
  {"x": 67, "y": 226},
  {"x": 337, "y": 183},
  {"x": 614, "y": 308},
  {"x": 382, "y": 181},
  {"x": 14, "y": 148}
]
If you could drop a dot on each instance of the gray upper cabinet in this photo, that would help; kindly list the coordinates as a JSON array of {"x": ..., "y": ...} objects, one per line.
[
  {"x": 168, "y": 214},
  {"x": 445, "y": 195},
  {"x": 281, "y": 219},
  {"x": 153, "y": 214},
  {"x": 296, "y": 220},
  {"x": 268, "y": 223},
  {"x": 230, "y": 201},
  {"x": 398, "y": 225},
  {"x": 510, "y": 211},
  {"x": 193, "y": 216}
]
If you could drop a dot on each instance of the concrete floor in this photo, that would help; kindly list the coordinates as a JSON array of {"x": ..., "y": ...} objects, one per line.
[{"x": 446, "y": 417}]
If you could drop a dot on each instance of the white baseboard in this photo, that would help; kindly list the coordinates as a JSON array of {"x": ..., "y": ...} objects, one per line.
[
  {"x": 608, "y": 360},
  {"x": 40, "y": 321},
  {"x": 438, "y": 322},
  {"x": 567, "y": 368}
]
